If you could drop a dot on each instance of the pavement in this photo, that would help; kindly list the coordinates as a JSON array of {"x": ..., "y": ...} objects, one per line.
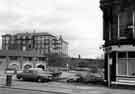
[
  {"x": 54, "y": 87},
  {"x": 21, "y": 91}
]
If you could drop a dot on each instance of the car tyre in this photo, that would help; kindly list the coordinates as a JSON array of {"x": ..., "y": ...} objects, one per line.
[
  {"x": 69, "y": 80},
  {"x": 19, "y": 78}
]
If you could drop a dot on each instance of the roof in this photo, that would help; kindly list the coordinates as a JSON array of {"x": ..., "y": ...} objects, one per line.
[
  {"x": 20, "y": 53},
  {"x": 35, "y": 34}
]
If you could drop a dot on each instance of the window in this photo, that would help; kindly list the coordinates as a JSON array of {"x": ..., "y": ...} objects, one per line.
[
  {"x": 46, "y": 46},
  {"x": 122, "y": 67},
  {"x": 24, "y": 37},
  {"x": 18, "y": 37},
  {"x": 43, "y": 46},
  {"x": 12, "y": 41},
  {"x": 125, "y": 23},
  {"x": 38, "y": 41},
  {"x": 7, "y": 41},
  {"x": 19, "y": 41},
  {"x": 35, "y": 38},
  {"x": 24, "y": 42},
  {"x": 30, "y": 46},
  {"x": 30, "y": 37},
  {"x": 6, "y": 46},
  {"x": 126, "y": 63},
  {"x": 42, "y": 38},
  {"x": 131, "y": 54},
  {"x": 38, "y": 38},
  {"x": 46, "y": 37},
  {"x": 38, "y": 46},
  {"x": 131, "y": 67},
  {"x": 7, "y": 38},
  {"x": 122, "y": 54}
]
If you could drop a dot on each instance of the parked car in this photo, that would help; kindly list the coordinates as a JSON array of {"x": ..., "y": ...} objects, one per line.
[
  {"x": 73, "y": 78},
  {"x": 35, "y": 75},
  {"x": 91, "y": 77}
]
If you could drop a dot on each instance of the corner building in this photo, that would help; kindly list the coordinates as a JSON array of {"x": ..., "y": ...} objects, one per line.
[{"x": 119, "y": 37}]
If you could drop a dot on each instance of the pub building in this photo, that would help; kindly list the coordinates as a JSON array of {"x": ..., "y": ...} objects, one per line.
[{"x": 119, "y": 37}]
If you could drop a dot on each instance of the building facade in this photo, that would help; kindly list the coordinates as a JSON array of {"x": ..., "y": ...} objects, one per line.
[
  {"x": 31, "y": 49},
  {"x": 119, "y": 37},
  {"x": 43, "y": 43}
]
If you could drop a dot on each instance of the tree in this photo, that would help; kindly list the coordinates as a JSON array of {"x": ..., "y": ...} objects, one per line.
[{"x": 57, "y": 60}]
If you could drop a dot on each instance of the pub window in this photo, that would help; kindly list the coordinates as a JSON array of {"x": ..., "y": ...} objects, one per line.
[
  {"x": 126, "y": 63},
  {"x": 131, "y": 54},
  {"x": 122, "y": 55},
  {"x": 122, "y": 66},
  {"x": 125, "y": 23},
  {"x": 131, "y": 67}
]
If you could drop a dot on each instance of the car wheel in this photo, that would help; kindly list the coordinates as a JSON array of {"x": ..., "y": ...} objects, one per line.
[
  {"x": 69, "y": 80},
  {"x": 19, "y": 78}
]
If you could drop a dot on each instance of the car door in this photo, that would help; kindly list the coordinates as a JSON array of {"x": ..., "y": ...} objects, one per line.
[
  {"x": 34, "y": 75},
  {"x": 28, "y": 74}
]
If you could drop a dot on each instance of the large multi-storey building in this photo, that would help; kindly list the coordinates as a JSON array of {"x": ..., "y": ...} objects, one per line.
[
  {"x": 44, "y": 43},
  {"x": 31, "y": 46},
  {"x": 119, "y": 37}
]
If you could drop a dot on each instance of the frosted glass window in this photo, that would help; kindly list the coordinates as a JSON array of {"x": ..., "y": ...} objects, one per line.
[
  {"x": 122, "y": 67},
  {"x": 131, "y": 67}
]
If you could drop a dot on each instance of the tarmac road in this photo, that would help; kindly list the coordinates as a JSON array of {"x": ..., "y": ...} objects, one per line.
[
  {"x": 24, "y": 87},
  {"x": 22, "y": 91}
]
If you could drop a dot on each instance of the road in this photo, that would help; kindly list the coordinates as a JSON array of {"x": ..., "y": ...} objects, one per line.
[
  {"x": 21, "y": 91},
  {"x": 24, "y": 87}
]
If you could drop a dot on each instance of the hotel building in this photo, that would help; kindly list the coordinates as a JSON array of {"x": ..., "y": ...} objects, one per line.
[{"x": 25, "y": 50}]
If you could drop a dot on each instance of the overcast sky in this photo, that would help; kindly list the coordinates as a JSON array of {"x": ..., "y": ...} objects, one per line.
[{"x": 78, "y": 21}]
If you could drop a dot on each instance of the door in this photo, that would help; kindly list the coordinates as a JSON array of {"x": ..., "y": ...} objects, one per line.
[{"x": 28, "y": 75}]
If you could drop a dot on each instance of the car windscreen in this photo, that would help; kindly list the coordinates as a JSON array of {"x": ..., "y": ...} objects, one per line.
[{"x": 28, "y": 71}]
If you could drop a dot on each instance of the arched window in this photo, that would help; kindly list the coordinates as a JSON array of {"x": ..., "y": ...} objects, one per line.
[
  {"x": 27, "y": 67},
  {"x": 41, "y": 66}
]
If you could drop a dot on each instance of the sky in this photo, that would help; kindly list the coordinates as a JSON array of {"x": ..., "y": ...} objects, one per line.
[{"x": 78, "y": 21}]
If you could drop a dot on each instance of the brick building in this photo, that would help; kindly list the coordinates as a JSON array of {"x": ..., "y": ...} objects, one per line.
[
  {"x": 31, "y": 49},
  {"x": 119, "y": 37}
]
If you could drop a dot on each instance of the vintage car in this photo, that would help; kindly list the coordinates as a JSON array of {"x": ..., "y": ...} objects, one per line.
[
  {"x": 35, "y": 75},
  {"x": 73, "y": 78}
]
